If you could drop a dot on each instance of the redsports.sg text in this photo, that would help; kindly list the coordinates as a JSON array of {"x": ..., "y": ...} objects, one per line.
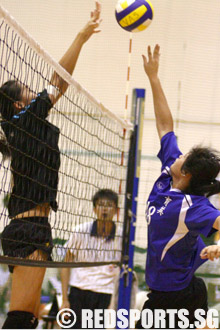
[{"x": 122, "y": 319}]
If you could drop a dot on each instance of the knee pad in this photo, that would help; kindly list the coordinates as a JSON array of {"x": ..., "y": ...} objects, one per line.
[{"x": 20, "y": 320}]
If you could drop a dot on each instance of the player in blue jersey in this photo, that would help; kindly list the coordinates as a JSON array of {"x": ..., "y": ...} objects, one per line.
[{"x": 178, "y": 211}]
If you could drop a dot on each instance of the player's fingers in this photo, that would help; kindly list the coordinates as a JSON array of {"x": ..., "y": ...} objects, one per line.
[
  {"x": 203, "y": 251},
  {"x": 149, "y": 52},
  {"x": 97, "y": 11},
  {"x": 156, "y": 51},
  {"x": 144, "y": 59},
  {"x": 96, "y": 24},
  {"x": 212, "y": 255},
  {"x": 96, "y": 16},
  {"x": 203, "y": 255},
  {"x": 98, "y": 6},
  {"x": 217, "y": 253}
]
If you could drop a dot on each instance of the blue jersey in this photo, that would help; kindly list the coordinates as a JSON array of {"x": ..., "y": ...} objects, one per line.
[{"x": 175, "y": 222}]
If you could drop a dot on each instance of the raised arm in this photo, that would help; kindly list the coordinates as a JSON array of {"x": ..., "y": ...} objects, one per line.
[
  {"x": 164, "y": 120},
  {"x": 69, "y": 59}
]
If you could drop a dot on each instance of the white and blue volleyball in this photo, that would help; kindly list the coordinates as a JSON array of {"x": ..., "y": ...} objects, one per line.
[{"x": 134, "y": 15}]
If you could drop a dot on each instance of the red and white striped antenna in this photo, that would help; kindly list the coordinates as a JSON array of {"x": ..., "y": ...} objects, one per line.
[{"x": 128, "y": 77}]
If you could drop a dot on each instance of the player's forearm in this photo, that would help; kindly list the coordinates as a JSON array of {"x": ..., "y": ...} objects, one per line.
[
  {"x": 164, "y": 120},
  {"x": 65, "y": 277},
  {"x": 69, "y": 59},
  {"x": 68, "y": 62}
]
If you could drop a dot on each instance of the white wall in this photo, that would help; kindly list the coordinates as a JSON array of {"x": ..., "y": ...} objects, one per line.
[{"x": 189, "y": 35}]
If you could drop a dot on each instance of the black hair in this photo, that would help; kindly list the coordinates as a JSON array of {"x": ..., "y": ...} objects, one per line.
[
  {"x": 10, "y": 92},
  {"x": 204, "y": 165},
  {"x": 105, "y": 193}
]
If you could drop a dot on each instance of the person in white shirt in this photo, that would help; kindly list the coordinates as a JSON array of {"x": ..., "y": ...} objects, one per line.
[{"x": 100, "y": 240}]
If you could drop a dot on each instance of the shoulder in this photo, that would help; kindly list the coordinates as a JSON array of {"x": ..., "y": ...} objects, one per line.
[
  {"x": 201, "y": 216},
  {"x": 41, "y": 98},
  {"x": 201, "y": 208},
  {"x": 198, "y": 201},
  {"x": 168, "y": 140},
  {"x": 169, "y": 150},
  {"x": 43, "y": 94},
  {"x": 162, "y": 184}
]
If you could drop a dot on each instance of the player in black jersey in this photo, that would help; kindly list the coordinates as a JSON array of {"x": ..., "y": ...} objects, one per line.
[{"x": 31, "y": 142}]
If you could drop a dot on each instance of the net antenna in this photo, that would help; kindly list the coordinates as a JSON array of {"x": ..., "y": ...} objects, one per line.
[
  {"x": 93, "y": 143},
  {"x": 128, "y": 76}
]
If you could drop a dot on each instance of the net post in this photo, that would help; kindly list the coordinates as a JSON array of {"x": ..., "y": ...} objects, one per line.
[{"x": 131, "y": 201}]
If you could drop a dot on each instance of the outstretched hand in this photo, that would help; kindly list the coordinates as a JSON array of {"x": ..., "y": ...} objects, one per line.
[
  {"x": 93, "y": 24},
  {"x": 210, "y": 252},
  {"x": 151, "y": 65}
]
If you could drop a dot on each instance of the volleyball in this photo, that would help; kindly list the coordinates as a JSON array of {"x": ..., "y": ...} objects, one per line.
[{"x": 134, "y": 15}]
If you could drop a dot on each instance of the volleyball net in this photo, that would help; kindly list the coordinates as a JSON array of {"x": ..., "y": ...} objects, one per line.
[{"x": 93, "y": 146}]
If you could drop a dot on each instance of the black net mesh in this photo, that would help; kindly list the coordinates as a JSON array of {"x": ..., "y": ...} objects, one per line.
[{"x": 60, "y": 155}]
